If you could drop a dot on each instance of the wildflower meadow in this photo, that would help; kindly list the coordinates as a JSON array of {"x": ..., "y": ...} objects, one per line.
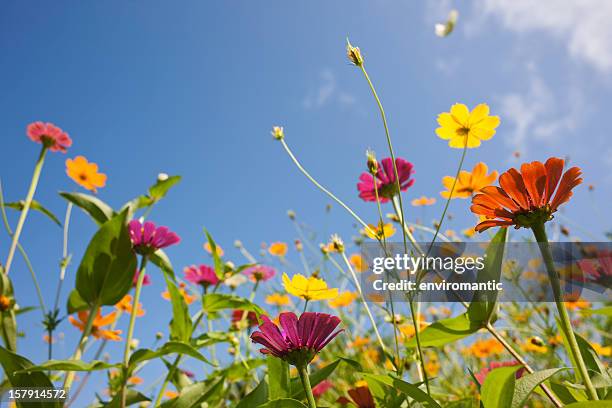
[{"x": 137, "y": 309}]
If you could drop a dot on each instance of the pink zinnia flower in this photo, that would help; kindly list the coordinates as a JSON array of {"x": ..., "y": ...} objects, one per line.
[
  {"x": 385, "y": 180},
  {"x": 298, "y": 340},
  {"x": 49, "y": 135},
  {"x": 260, "y": 272},
  {"x": 201, "y": 275},
  {"x": 482, "y": 374},
  {"x": 148, "y": 238},
  {"x": 321, "y": 388},
  {"x": 146, "y": 281}
]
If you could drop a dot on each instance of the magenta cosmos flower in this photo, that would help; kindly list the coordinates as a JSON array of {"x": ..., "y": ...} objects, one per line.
[
  {"x": 201, "y": 275},
  {"x": 259, "y": 273},
  {"x": 49, "y": 135},
  {"x": 147, "y": 238},
  {"x": 297, "y": 341},
  {"x": 384, "y": 181}
]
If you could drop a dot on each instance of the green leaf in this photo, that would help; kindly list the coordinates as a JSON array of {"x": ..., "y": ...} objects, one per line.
[
  {"x": 132, "y": 397},
  {"x": 7, "y": 317},
  {"x": 527, "y": 383},
  {"x": 70, "y": 365},
  {"x": 75, "y": 302},
  {"x": 178, "y": 378},
  {"x": 181, "y": 326},
  {"x": 210, "y": 338},
  {"x": 14, "y": 364},
  {"x": 590, "y": 404},
  {"x": 239, "y": 370},
  {"x": 410, "y": 390},
  {"x": 107, "y": 269},
  {"x": 24, "y": 310},
  {"x": 446, "y": 331},
  {"x": 171, "y": 347},
  {"x": 482, "y": 306},
  {"x": 36, "y": 206},
  {"x": 214, "y": 302},
  {"x": 278, "y": 378},
  {"x": 255, "y": 398},
  {"x": 565, "y": 394},
  {"x": 604, "y": 311},
  {"x": 283, "y": 403},
  {"x": 219, "y": 269},
  {"x": 498, "y": 388},
  {"x": 161, "y": 187},
  {"x": 195, "y": 394},
  {"x": 97, "y": 209},
  {"x": 591, "y": 360},
  {"x": 297, "y": 390},
  {"x": 161, "y": 260}
]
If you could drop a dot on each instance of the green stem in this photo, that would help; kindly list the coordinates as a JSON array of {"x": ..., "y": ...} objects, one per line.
[
  {"x": 26, "y": 207},
  {"x": 130, "y": 332},
  {"x": 303, "y": 372},
  {"x": 540, "y": 235},
  {"x": 93, "y": 312}
]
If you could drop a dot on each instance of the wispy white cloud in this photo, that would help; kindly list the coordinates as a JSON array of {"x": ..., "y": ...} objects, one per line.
[
  {"x": 584, "y": 26},
  {"x": 327, "y": 91}
]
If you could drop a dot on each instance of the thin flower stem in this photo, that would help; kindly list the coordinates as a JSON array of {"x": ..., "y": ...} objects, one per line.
[
  {"x": 365, "y": 303},
  {"x": 305, "y": 306},
  {"x": 130, "y": 332},
  {"x": 540, "y": 235},
  {"x": 26, "y": 207},
  {"x": 93, "y": 312},
  {"x": 65, "y": 259},
  {"x": 303, "y": 372},
  {"x": 320, "y": 187}
]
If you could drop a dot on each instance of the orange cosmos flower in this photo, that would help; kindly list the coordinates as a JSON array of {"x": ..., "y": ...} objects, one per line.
[
  {"x": 423, "y": 201},
  {"x": 343, "y": 299},
  {"x": 189, "y": 299},
  {"x": 525, "y": 198},
  {"x": 469, "y": 183},
  {"x": 485, "y": 348},
  {"x": 98, "y": 323},
  {"x": 278, "y": 249},
  {"x": 85, "y": 174},
  {"x": 358, "y": 263},
  {"x": 125, "y": 305}
]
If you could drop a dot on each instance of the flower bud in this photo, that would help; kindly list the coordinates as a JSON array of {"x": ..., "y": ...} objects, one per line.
[
  {"x": 162, "y": 177},
  {"x": 291, "y": 214},
  {"x": 354, "y": 54},
  {"x": 337, "y": 243},
  {"x": 372, "y": 163},
  {"x": 278, "y": 133}
]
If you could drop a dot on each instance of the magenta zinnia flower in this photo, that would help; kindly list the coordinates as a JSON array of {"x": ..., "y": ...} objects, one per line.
[
  {"x": 146, "y": 281},
  {"x": 298, "y": 340},
  {"x": 260, "y": 272},
  {"x": 147, "y": 238},
  {"x": 482, "y": 374},
  {"x": 385, "y": 181},
  {"x": 49, "y": 135},
  {"x": 321, "y": 388},
  {"x": 201, "y": 275}
]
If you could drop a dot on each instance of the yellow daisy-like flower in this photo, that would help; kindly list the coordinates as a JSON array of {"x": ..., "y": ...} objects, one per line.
[
  {"x": 462, "y": 127},
  {"x": 486, "y": 348},
  {"x": 276, "y": 299},
  {"x": 469, "y": 183},
  {"x": 469, "y": 232},
  {"x": 380, "y": 231},
  {"x": 310, "y": 288},
  {"x": 278, "y": 249},
  {"x": 601, "y": 350},
  {"x": 208, "y": 249},
  {"x": 535, "y": 344},
  {"x": 423, "y": 201},
  {"x": 359, "y": 342},
  {"x": 85, "y": 174},
  {"x": 358, "y": 263},
  {"x": 343, "y": 300}
]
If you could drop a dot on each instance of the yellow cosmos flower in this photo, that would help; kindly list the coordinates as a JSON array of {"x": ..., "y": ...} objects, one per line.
[
  {"x": 310, "y": 288},
  {"x": 469, "y": 183},
  {"x": 358, "y": 263},
  {"x": 423, "y": 201},
  {"x": 343, "y": 300},
  {"x": 601, "y": 350},
  {"x": 278, "y": 249},
  {"x": 469, "y": 232},
  {"x": 208, "y": 249},
  {"x": 462, "y": 127},
  {"x": 380, "y": 231},
  {"x": 486, "y": 348},
  {"x": 85, "y": 174},
  {"x": 359, "y": 342},
  {"x": 535, "y": 345},
  {"x": 276, "y": 299}
]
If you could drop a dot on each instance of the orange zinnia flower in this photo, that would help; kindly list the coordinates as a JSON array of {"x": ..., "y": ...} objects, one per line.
[
  {"x": 125, "y": 305},
  {"x": 525, "y": 198},
  {"x": 85, "y": 174},
  {"x": 96, "y": 328},
  {"x": 278, "y": 249}
]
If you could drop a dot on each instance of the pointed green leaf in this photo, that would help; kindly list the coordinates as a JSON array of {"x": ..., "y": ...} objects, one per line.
[
  {"x": 161, "y": 260},
  {"x": 171, "y": 347},
  {"x": 405, "y": 388},
  {"x": 526, "y": 384},
  {"x": 97, "y": 209},
  {"x": 278, "y": 378},
  {"x": 195, "y": 394},
  {"x": 181, "y": 326},
  {"x": 36, "y": 206},
  {"x": 75, "y": 302},
  {"x": 446, "y": 331},
  {"x": 256, "y": 397},
  {"x": 8, "y": 330},
  {"x": 214, "y": 302},
  {"x": 498, "y": 388},
  {"x": 161, "y": 187},
  {"x": 219, "y": 269},
  {"x": 70, "y": 365},
  {"x": 132, "y": 397},
  {"x": 210, "y": 338},
  {"x": 107, "y": 269}
]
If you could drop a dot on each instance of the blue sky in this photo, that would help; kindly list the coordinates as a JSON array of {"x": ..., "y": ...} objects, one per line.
[{"x": 194, "y": 89}]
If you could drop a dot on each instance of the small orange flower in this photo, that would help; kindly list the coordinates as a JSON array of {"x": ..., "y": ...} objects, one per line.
[
  {"x": 359, "y": 342},
  {"x": 171, "y": 394},
  {"x": 469, "y": 183},
  {"x": 85, "y": 174},
  {"x": 125, "y": 305},
  {"x": 189, "y": 299},
  {"x": 208, "y": 249},
  {"x": 423, "y": 201},
  {"x": 525, "y": 198},
  {"x": 98, "y": 323},
  {"x": 357, "y": 261},
  {"x": 277, "y": 299},
  {"x": 486, "y": 348},
  {"x": 135, "y": 380},
  {"x": 577, "y": 304},
  {"x": 278, "y": 249},
  {"x": 5, "y": 303},
  {"x": 343, "y": 299}
]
